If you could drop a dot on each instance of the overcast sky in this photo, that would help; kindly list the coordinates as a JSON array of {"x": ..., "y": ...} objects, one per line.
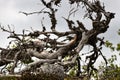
[{"x": 9, "y": 14}]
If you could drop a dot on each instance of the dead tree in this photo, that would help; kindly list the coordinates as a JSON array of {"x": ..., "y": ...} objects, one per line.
[{"x": 51, "y": 51}]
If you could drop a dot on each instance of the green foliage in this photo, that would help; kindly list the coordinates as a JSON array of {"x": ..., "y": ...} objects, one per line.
[
  {"x": 72, "y": 72},
  {"x": 110, "y": 73},
  {"x": 40, "y": 76},
  {"x": 119, "y": 32},
  {"x": 9, "y": 78},
  {"x": 118, "y": 47},
  {"x": 112, "y": 59},
  {"x": 109, "y": 45}
]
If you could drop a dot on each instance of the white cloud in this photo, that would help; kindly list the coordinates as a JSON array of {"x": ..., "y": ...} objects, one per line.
[{"x": 9, "y": 13}]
